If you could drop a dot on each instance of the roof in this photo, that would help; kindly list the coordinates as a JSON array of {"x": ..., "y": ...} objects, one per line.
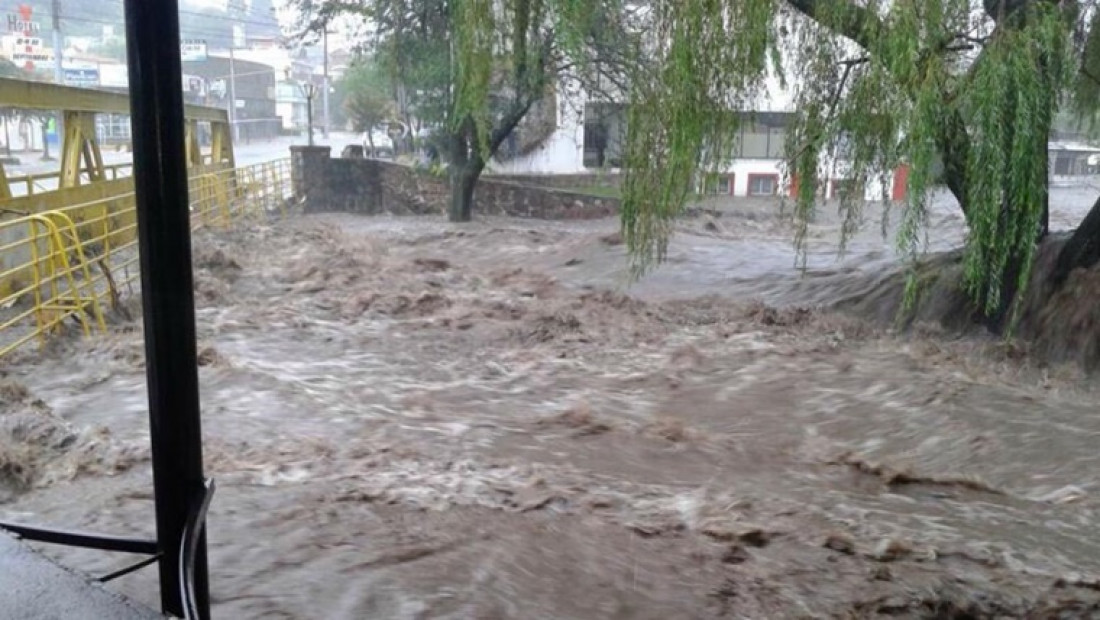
[{"x": 1072, "y": 146}]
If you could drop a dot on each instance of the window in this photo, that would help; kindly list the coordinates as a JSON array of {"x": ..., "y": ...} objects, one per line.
[
  {"x": 718, "y": 185},
  {"x": 762, "y": 135},
  {"x": 763, "y": 184}
]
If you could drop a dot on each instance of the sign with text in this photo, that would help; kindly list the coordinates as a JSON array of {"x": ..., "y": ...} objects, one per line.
[
  {"x": 192, "y": 50},
  {"x": 22, "y": 22},
  {"x": 81, "y": 77},
  {"x": 30, "y": 48}
]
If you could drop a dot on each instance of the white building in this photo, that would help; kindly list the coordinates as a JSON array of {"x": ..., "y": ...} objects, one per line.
[
  {"x": 588, "y": 137},
  {"x": 290, "y": 71}
]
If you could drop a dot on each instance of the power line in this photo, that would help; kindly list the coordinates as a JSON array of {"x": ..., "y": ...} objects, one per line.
[
  {"x": 98, "y": 20},
  {"x": 273, "y": 21},
  {"x": 207, "y": 31}
]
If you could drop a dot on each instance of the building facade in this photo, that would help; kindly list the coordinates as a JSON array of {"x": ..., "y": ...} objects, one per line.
[
  {"x": 590, "y": 136},
  {"x": 254, "y": 110}
]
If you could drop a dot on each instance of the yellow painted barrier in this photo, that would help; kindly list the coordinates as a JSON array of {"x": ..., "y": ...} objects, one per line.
[
  {"x": 71, "y": 262},
  {"x": 46, "y": 182}
]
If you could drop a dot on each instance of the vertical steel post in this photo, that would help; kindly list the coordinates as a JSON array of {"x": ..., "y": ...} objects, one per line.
[
  {"x": 164, "y": 234},
  {"x": 309, "y": 113}
]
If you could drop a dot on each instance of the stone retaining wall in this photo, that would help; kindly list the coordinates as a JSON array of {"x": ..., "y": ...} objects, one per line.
[{"x": 371, "y": 186}]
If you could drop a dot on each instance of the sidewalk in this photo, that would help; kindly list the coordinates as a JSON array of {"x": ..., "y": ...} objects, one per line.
[{"x": 34, "y": 588}]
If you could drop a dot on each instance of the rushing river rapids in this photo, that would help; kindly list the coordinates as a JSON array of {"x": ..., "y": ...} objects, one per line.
[{"x": 409, "y": 419}]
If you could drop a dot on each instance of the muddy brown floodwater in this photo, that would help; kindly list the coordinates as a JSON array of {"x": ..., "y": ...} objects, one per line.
[{"x": 409, "y": 419}]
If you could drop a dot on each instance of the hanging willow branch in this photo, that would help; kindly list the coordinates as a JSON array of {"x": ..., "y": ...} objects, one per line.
[{"x": 935, "y": 82}]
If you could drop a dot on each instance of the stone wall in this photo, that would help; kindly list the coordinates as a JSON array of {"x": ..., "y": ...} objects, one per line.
[
  {"x": 372, "y": 186},
  {"x": 608, "y": 180}
]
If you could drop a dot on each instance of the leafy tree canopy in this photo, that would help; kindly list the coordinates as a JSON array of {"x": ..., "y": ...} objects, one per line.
[
  {"x": 876, "y": 83},
  {"x": 476, "y": 68},
  {"x": 368, "y": 101}
]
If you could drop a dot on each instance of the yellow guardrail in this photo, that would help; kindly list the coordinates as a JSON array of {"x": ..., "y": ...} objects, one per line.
[
  {"x": 40, "y": 182},
  {"x": 73, "y": 263}
]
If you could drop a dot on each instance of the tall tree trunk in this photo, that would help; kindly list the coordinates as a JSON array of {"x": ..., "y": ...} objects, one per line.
[
  {"x": 1082, "y": 250},
  {"x": 466, "y": 166},
  {"x": 462, "y": 194}
]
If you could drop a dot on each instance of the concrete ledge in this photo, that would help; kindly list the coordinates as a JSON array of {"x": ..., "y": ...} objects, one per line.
[{"x": 32, "y": 587}]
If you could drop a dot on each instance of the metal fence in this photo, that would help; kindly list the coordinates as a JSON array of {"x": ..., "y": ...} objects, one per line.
[{"x": 75, "y": 263}]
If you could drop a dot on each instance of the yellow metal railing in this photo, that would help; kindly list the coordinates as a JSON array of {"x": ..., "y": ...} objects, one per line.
[
  {"x": 37, "y": 183},
  {"x": 74, "y": 262}
]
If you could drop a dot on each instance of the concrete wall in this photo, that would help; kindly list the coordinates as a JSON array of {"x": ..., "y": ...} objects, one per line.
[{"x": 371, "y": 186}]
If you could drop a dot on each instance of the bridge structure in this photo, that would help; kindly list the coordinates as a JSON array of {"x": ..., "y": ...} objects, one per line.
[{"x": 68, "y": 237}]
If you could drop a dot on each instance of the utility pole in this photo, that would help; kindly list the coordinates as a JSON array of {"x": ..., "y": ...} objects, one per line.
[
  {"x": 235, "y": 8},
  {"x": 59, "y": 72},
  {"x": 233, "y": 86},
  {"x": 324, "y": 95},
  {"x": 55, "y": 10}
]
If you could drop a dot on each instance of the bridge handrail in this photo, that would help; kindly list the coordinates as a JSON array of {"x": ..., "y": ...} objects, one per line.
[{"x": 65, "y": 264}]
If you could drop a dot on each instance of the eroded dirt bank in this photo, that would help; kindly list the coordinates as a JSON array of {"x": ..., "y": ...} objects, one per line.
[{"x": 412, "y": 420}]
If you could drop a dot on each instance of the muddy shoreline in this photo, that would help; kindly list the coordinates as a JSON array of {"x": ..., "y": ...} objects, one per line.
[{"x": 409, "y": 419}]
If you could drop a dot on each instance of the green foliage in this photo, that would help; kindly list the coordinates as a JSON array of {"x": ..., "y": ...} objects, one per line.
[
  {"x": 876, "y": 84},
  {"x": 368, "y": 101},
  {"x": 478, "y": 66}
]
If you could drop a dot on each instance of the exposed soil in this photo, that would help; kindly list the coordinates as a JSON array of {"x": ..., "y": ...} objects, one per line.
[{"x": 409, "y": 419}]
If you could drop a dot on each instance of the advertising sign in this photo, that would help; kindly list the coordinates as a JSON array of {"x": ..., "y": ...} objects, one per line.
[
  {"x": 21, "y": 22},
  {"x": 81, "y": 77},
  {"x": 29, "y": 49},
  {"x": 192, "y": 50}
]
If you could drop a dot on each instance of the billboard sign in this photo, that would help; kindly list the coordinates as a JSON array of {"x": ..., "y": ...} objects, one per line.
[
  {"x": 81, "y": 77},
  {"x": 192, "y": 50},
  {"x": 30, "y": 52},
  {"x": 21, "y": 23}
]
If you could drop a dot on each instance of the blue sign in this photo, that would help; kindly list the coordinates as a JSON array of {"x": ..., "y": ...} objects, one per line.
[{"x": 81, "y": 77}]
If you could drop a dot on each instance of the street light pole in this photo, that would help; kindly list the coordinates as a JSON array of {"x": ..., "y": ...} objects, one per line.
[{"x": 308, "y": 91}]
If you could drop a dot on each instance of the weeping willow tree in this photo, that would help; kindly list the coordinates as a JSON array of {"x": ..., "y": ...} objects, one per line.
[
  {"x": 961, "y": 92},
  {"x": 481, "y": 66}
]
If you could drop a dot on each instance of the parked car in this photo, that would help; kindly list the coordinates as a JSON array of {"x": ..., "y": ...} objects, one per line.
[
  {"x": 353, "y": 151},
  {"x": 383, "y": 145}
]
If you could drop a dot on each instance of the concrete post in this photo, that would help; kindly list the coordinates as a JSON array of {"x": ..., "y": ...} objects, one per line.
[{"x": 308, "y": 173}]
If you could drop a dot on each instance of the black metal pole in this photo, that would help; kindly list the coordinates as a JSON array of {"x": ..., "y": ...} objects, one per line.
[
  {"x": 164, "y": 235},
  {"x": 309, "y": 113}
]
